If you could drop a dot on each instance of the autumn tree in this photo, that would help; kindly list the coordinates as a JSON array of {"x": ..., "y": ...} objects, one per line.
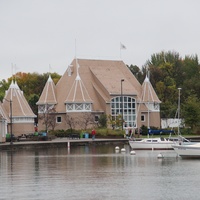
[
  {"x": 71, "y": 121},
  {"x": 86, "y": 119},
  {"x": 48, "y": 117},
  {"x": 115, "y": 122}
]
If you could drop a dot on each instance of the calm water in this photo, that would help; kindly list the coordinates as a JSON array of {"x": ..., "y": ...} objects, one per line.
[{"x": 97, "y": 172}]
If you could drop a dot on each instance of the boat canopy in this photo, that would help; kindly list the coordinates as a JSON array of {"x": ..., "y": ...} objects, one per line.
[{"x": 153, "y": 131}]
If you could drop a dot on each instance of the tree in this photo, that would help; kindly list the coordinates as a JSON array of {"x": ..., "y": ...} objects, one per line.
[
  {"x": 32, "y": 100},
  {"x": 86, "y": 119},
  {"x": 115, "y": 121},
  {"x": 32, "y": 85},
  {"x": 191, "y": 112},
  {"x": 48, "y": 117},
  {"x": 3, "y": 87},
  {"x": 136, "y": 72},
  {"x": 71, "y": 122},
  {"x": 103, "y": 120},
  {"x": 165, "y": 76}
]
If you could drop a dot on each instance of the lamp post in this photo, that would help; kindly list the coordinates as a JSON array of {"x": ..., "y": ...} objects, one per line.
[
  {"x": 122, "y": 102},
  {"x": 10, "y": 101},
  {"x": 179, "y": 100}
]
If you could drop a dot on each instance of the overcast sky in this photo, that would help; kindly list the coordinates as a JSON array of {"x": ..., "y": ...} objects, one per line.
[{"x": 36, "y": 34}]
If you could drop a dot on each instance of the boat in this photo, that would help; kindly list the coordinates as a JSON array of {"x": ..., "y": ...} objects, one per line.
[
  {"x": 152, "y": 143},
  {"x": 190, "y": 150},
  {"x": 158, "y": 143}
]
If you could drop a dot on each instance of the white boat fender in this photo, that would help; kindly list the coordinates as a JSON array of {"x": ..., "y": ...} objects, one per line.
[
  {"x": 123, "y": 150},
  {"x": 160, "y": 155},
  {"x": 132, "y": 153}
]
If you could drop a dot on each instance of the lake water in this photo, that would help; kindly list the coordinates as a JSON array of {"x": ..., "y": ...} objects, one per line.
[{"x": 97, "y": 172}]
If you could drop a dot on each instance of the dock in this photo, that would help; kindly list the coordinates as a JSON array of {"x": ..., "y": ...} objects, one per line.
[{"x": 60, "y": 142}]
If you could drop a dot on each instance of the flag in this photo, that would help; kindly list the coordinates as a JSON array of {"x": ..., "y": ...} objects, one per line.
[{"x": 122, "y": 46}]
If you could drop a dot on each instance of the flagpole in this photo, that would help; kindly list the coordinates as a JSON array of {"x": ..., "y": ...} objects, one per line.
[
  {"x": 12, "y": 69},
  {"x": 120, "y": 50}
]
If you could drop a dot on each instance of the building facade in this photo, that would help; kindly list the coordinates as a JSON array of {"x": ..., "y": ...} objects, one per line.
[
  {"x": 89, "y": 88},
  {"x": 16, "y": 113}
]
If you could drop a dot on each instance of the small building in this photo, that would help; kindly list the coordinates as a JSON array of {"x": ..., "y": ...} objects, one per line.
[
  {"x": 16, "y": 112},
  {"x": 90, "y": 88},
  {"x": 3, "y": 125},
  {"x": 172, "y": 123}
]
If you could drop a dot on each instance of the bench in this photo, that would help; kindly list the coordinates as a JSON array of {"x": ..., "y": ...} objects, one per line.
[{"x": 73, "y": 136}]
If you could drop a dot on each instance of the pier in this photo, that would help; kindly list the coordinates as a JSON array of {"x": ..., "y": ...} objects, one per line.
[{"x": 60, "y": 142}]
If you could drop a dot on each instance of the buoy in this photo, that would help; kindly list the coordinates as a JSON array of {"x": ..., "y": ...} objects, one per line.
[
  {"x": 123, "y": 150},
  {"x": 132, "y": 152},
  {"x": 160, "y": 155},
  {"x": 117, "y": 148}
]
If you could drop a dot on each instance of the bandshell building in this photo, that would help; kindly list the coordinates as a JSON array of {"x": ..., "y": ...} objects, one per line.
[{"x": 95, "y": 87}]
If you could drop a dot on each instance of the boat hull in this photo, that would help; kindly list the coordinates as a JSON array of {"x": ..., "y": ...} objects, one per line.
[
  {"x": 143, "y": 145},
  {"x": 188, "y": 151}
]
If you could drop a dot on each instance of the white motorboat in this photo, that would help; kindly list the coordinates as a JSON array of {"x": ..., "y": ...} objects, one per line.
[
  {"x": 190, "y": 150},
  {"x": 159, "y": 143}
]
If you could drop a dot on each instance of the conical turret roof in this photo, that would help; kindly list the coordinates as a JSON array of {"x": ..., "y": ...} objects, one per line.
[
  {"x": 3, "y": 113},
  {"x": 148, "y": 93},
  {"x": 15, "y": 99},
  {"x": 48, "y": 95}
]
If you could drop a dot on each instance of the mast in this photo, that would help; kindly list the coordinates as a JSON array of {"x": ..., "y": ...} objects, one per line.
[
  {"x": 179, "y": 100},
  {"x": 148, "y": 103}
]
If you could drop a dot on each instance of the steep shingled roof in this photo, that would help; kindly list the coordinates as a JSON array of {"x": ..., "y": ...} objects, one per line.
[
  {"x": 49, "y": 93},
  {"x": 95, "y": 79},
  {"x": 20, "y": 106}
]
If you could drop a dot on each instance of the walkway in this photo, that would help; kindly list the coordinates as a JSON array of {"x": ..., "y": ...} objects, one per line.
[{"x": 60, "y": 142}]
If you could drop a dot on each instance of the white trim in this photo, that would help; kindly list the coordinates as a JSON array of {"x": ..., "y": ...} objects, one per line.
[
  {"x": 78, "y": 107},
  {"x": 22, "y": 120},
  {"x": 58, "y": 122}
]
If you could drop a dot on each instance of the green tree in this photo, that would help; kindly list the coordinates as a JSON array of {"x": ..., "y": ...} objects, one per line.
[
  {"x": 3, "y": 87},
  {"x": 191, "y": 112},
  {"x": 136, "y": 72},
  {"x": 32, "y": 100},
  {"x": 163, "y": 67},
  {"x": 103, "y": 120}
]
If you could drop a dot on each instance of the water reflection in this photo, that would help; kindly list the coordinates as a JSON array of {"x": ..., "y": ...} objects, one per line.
[{"x": 96, "y": 172}]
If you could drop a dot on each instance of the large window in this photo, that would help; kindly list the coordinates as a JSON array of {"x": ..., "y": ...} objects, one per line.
[{"x": 124, "y": 105}]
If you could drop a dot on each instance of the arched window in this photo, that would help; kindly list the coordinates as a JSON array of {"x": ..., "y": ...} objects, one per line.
[{"x": 128, "y": 108}]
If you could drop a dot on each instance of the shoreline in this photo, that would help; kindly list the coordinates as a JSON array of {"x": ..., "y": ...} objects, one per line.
[{"x": 59, "y": 142}]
